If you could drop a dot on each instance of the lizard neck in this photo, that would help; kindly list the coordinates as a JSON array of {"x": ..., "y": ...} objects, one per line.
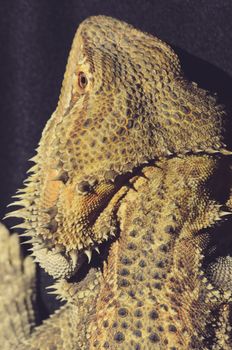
[{"x": 153, "y": 277}]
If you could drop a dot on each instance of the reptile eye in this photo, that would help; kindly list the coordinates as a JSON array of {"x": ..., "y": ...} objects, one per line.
[{"x": 82, "y": 80}]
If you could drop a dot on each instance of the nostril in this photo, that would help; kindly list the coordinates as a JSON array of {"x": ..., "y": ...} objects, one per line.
[{"x": 64, "y": 177}]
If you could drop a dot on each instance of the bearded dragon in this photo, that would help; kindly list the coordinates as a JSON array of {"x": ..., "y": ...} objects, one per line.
[{"x": 127, "y": 206}]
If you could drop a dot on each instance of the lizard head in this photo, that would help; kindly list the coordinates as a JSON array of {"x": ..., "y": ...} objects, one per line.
[{"x": 123, "y": 103}]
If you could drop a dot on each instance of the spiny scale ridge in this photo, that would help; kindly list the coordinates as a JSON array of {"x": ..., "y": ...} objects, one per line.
[{"x": 136, "y": 153}]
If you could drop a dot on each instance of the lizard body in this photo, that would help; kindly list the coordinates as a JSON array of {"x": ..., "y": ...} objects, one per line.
[{"x": 131, "y": 163}]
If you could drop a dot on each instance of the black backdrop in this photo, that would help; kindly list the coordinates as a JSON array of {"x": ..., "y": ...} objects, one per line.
[{"x": 35, "y": 38}]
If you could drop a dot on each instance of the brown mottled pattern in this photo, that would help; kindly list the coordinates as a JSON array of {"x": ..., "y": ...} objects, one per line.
[
  {"x": 155, "y": 294},
  {"x": 131, "y": 163}
]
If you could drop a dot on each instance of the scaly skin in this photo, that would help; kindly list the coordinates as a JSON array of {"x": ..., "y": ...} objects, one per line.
[{"x": 133, "y": 156}]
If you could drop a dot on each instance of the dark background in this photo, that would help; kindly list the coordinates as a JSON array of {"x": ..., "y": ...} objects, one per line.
[{"x": 35, "y": 39}]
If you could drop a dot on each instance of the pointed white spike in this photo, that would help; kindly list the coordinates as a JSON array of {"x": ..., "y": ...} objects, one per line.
[
  {"x": 20, "y": 213},
  {"x": 21, "y": 190},
  {"x": 97, "y": 250},
  {"x": 34, "y": 159},
  {"x": 225, "y": 152},
  {"x": 74, "y": 256},
  {"x": 224, "y": 213},
  {"x": 18, "y": 196},
  {"x": 88, "y": 254},
  {"x": 21, "y": 203},
  {"x": 13, "y": 204},
  {"x": 54, "y": 292},
  {"x": 30, "y": 241},
  {"x": 29, "y": 233},
  {"x": 33, "y": 169},
  {"x": 52, "y": 287},
  {"x": 23, "y": 225},
  {"x": 26, "y": 182}
]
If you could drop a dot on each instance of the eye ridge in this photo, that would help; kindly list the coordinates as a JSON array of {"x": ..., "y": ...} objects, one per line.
[{"x": 82, "y": 80}]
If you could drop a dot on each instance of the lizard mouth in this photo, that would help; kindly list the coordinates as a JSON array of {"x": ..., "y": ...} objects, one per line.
[
  {"x": 92, "y": 218},
  {"x": 63, "y": 250},
  {"x": 75, "y": 264}
]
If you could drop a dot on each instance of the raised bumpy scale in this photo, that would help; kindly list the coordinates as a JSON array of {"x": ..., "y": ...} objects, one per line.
[{"x": 128, "y": 207}]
